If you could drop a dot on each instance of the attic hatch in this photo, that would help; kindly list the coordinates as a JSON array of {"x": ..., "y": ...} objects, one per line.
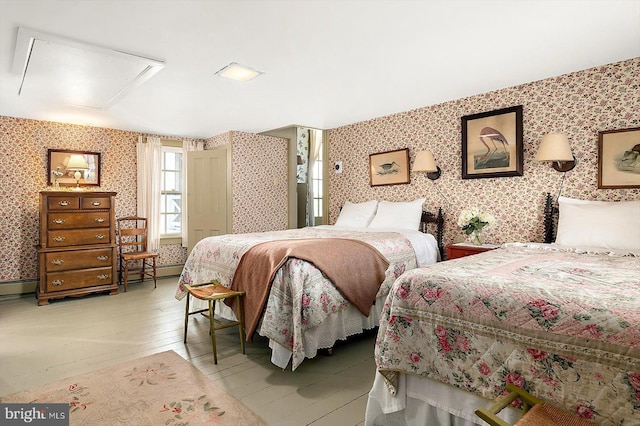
[{"x": 71, "y": 72}]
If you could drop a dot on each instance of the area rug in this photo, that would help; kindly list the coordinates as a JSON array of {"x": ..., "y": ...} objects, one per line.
[{"x": 161, "y": 389}]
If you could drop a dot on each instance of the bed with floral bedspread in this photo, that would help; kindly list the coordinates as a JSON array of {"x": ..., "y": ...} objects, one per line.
[
  {"x": 562, "y": 323},
  {"x": 301, "y": 297}
]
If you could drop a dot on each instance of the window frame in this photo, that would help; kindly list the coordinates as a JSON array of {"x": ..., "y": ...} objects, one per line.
[{"x": 172, "y": 146}]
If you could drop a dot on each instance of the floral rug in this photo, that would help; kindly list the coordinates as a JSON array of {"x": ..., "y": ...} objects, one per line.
[{"x": 161, "y": 389}]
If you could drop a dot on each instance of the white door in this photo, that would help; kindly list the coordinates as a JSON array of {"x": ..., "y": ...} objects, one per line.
[{"x": 207, "y": 191}]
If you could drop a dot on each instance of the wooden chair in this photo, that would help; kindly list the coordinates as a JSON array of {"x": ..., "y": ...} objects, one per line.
[
  {"x": 132, "y": 248},
  {"x": 210, "y": 292},
  {"x": 535, "y": 412}
]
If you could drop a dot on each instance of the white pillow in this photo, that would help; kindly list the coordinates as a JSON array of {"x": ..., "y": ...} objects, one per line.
[
  {"x": 601, "y": 224},
  {"x": 404, "y": 215},
  {"x": 357, "y": 215}
]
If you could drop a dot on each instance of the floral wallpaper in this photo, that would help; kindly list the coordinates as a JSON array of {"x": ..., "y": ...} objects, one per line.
[
  {"x": 259, "y": 175},
  {"x": 579, "y": 104},
  {"x": 23, "y": 161},
  {"x": 302, "y": 151}
]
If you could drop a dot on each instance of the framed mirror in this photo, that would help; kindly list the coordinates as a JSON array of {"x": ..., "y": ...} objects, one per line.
[{"x": 73, "y": 168}]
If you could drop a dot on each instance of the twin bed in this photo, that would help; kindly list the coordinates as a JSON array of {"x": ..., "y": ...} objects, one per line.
[
  {"x": 561, "y": 321},
  {"x": 303, "y": 311}
]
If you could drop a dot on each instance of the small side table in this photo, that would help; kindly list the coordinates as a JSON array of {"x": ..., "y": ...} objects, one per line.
[{"x": 457, "y": 250}]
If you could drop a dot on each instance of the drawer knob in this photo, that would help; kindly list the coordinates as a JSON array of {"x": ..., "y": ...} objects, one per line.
[
  {"x": 100, "y": 219},
  {"x": 103, "y": 276},
  {"x": 96, "y": 203},
  {"x": 58, "y": 221},
  {"x": 57, "y": 282},
  {"x": 63, "y": 203},
  {"x": 59, "y": 239},
  {"x": 57, "y": 262},
  {"x": 100, "y": 236},
  {"x": 102, "y": 258}
]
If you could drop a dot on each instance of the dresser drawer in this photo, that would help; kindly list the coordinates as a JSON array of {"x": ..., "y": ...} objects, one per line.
[
  {"x": 57, "y": 281},
  {"x": 79, "y": 220},
  {"x": 63, "y": 203},
  {"x": 78, "y": 237},
  {"x": 96, "y": 203},
  {"x": 69, "y": 260}
]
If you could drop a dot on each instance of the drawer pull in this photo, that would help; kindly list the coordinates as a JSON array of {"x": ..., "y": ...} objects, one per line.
[
  {"x": 103, "y": 276},
  {"x": 64, "y": 203},
  {"x": 96, "y": 203},
  {"x": 57, "y": 262},
  {"x": 58, "y": 221},
  {"x": 102, "y": 258},
  {"x": 59, "y": 239},
  {"x": 101, "y": 219},
  {"x": 100, "y": 236},
  {"x": 57, "y": 282}
]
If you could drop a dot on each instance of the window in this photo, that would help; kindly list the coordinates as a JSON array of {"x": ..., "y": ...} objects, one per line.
[
  {"x": 171, "y": 192},
  {"x": 317, "y": 183}
]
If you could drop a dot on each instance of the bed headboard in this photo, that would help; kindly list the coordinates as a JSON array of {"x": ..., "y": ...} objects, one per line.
[
  {"x": 550, "y": 218},
  {"x": 426, "y": 219}
]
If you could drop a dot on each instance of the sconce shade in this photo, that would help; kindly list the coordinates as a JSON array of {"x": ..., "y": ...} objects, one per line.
[
  {"x": 425, "y": 162},
  {"x": 77, "y": 162},
  {"x": 555, "y": 148}
]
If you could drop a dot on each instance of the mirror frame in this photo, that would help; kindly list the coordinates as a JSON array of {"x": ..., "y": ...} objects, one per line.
[{"x": 56, "y": 159}]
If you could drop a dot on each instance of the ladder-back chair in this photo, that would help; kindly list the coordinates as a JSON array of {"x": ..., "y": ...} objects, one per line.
[{"x": 132, "y": 248}]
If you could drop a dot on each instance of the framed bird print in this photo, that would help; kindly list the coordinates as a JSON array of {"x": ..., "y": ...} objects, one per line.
[
  {"x": 492, "y": 144},
  {"x": 389, "y": 168},
  {"x": 619, "y": 159}
]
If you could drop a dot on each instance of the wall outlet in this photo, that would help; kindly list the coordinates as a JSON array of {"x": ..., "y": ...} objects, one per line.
[{"x": 338, "y": 167}]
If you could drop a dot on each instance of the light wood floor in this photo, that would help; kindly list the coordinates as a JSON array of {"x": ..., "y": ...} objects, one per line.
[{"x": 77, "y": 335}]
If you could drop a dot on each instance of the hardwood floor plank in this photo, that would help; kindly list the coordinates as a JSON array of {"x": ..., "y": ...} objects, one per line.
[{"x": 39, "y": 344}]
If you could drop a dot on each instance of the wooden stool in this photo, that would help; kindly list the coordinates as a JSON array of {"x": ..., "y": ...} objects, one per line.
[
  {"x": 535, "y": 412},
  {"x": 211, "y": 292}
]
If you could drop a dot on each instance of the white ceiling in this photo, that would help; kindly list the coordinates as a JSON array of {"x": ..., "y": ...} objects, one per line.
[{"x": 326, "y": 63}]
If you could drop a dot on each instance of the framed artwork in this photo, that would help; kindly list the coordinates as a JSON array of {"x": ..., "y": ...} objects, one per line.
[
  {"x": 61, "y": 170},
  {"x": 389, "y": 168},
  {"x": 492, "y": 144},
  {"x": 619, "y": 159}
]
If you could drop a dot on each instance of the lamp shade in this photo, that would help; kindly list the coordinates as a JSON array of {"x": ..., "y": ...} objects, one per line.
[
  {"x": 554, "y": 147},
  {"x": 425, "y": 162},
  {"x": 77, "y": 162}
]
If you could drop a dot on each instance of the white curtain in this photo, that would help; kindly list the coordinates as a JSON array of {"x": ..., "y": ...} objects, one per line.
[
  {"x": 315, "y": 143},
  {"x": 186, "y": 147},
  {"x": 149, "y": 183}
]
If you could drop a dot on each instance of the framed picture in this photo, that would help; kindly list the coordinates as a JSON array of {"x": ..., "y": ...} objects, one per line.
[
  {"x": 389, "y": 168},
  {"x": 62, "y": 165},
  {"x": 619, "y": 159},
  {"x": 492, "y": 144}
]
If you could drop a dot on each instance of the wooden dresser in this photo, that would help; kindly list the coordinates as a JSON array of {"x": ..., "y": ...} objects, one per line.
[{"x": 77, "y": 250}]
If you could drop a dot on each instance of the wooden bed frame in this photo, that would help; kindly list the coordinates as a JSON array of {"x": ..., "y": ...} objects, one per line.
[
  {"x": 426, "y": 219},
  {"x": 550, "y": 218}
]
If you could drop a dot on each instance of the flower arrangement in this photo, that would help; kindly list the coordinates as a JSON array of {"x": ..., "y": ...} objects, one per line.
[{"x": 472, "y": 221}]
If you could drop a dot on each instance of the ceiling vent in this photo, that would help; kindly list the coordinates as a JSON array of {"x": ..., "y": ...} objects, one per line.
[{"x": 75, "y": 73}]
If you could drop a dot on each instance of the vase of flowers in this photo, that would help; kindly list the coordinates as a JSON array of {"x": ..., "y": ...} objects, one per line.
[{"x": 473, "y": 221}]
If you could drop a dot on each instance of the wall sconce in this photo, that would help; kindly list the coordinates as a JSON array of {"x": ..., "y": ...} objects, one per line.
[
  {"x": 425, "y": 162},
  {"x": 555, "y": 149},
  {"x": 78, "y": 164}
]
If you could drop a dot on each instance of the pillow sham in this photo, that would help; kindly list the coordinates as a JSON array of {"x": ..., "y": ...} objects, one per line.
[
  {"x": 357, "y": 215},
  {"x": 401, "y": 215},
  {"x": 602, "y": 224}
]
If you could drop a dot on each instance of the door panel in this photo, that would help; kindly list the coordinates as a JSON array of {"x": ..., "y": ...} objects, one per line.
[{"x": 206, "y": 194}]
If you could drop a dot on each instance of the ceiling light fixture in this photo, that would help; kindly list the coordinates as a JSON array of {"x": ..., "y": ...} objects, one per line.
[{"x": 238, "y": 72}]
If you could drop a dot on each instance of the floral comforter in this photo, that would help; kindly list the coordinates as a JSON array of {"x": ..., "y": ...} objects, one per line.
[
  {"x": 561, "y": 324},
  {"x": 301, "y": 297}
]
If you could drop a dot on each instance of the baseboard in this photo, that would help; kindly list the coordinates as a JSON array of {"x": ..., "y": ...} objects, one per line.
[{"x": 9, "y": 288}]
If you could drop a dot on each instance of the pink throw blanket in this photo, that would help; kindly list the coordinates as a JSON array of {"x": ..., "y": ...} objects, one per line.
[{"x": 356, "y": 269}]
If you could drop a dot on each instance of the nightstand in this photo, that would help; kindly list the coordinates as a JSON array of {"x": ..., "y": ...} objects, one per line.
[{"x": 455, "y": 251}]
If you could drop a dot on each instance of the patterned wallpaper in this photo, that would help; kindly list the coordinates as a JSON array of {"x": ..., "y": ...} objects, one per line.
[
  {"x": 579, "y": 104},
  {"x": 259, "y": 174},
  {"x": 23, "y": 166}
]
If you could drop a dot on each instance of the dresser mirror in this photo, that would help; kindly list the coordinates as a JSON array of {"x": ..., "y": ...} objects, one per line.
[{"x": 73, "y": 168}]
